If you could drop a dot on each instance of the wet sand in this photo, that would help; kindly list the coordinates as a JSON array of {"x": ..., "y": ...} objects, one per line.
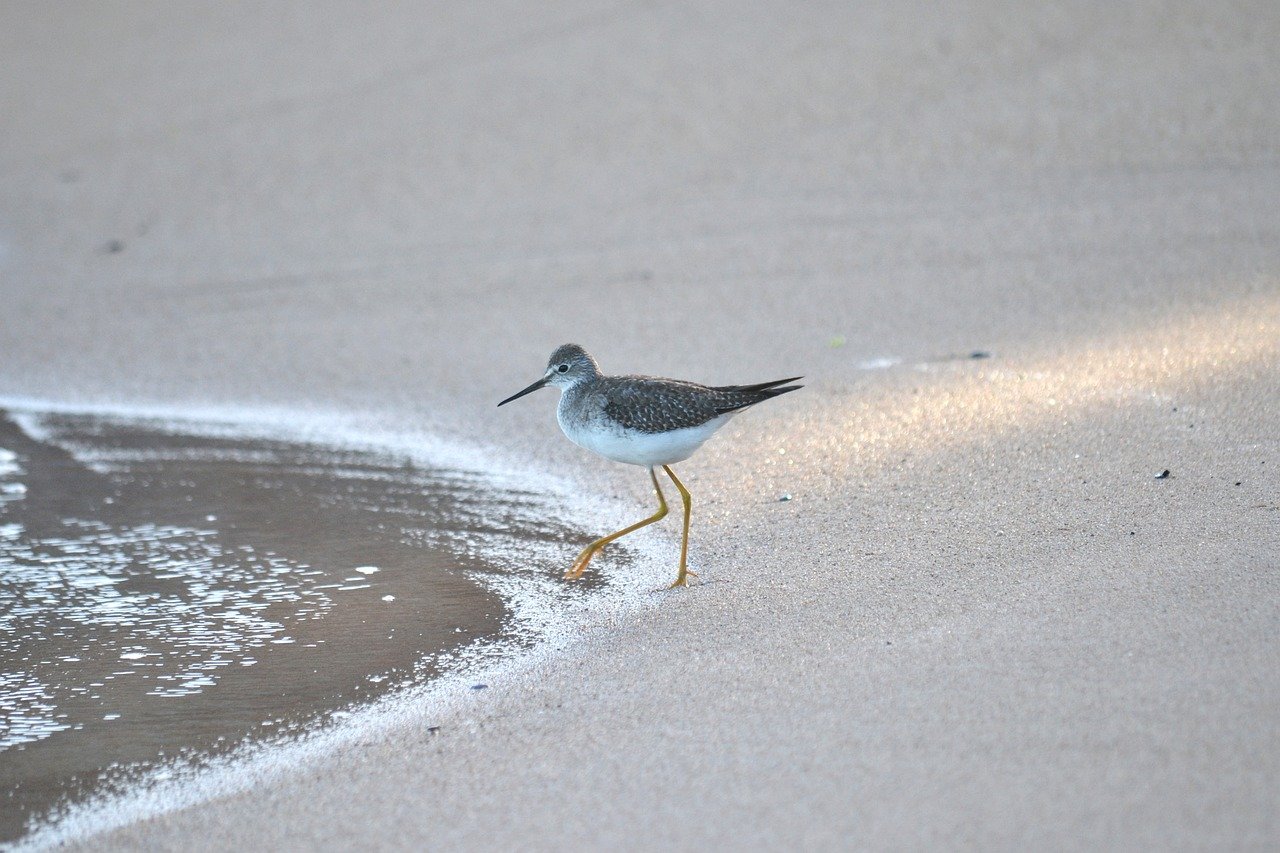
[
  {"x": 172, "y": 592},
  {"x": 981, "y": 621}
]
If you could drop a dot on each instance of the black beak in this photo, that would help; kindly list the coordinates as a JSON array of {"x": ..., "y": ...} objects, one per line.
[{"x": 534, "y": 387}]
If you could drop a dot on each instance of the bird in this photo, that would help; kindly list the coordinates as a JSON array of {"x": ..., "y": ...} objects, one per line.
[{"x": 642, "y": 420}]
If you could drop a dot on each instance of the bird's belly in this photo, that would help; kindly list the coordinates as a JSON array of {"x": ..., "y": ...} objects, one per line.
[{"x": 641, "y": 448}]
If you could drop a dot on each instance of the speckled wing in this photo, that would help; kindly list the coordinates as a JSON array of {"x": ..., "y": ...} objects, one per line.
[
  {"x": 657, "y": 405},
  {"x": 651, "y": 405}
]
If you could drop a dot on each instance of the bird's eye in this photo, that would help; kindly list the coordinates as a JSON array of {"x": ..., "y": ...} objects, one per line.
[{"x": 564, "y": 368}]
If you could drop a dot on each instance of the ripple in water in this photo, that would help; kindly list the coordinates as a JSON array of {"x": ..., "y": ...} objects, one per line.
[{"x": 165, "y": 594}]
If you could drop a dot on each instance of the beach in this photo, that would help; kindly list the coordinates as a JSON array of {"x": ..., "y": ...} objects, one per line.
[{"x": 1028, "y": 260}]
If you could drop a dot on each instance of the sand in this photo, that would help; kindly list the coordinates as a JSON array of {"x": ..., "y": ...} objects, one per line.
[{"x": 980, "y": 621}]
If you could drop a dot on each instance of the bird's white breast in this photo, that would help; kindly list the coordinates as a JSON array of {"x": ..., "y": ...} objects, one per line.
[{"x": 634, "y": 447}]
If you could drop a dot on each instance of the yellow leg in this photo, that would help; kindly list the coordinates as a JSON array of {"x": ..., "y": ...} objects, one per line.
[
  {"x": 580, "y": 564},
  {"x": 682, "y": 579}
]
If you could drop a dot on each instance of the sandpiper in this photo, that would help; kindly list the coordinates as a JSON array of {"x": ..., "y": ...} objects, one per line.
[{"x": 642, "y": 420}]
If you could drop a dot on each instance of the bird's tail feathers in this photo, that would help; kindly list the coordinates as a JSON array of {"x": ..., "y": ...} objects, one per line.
[
  {"x": 761, "y": 386},
  {"x": 757, "y": 393}
]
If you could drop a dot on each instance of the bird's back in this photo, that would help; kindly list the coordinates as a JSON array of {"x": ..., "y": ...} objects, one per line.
[{"x": 649, "y": 404}]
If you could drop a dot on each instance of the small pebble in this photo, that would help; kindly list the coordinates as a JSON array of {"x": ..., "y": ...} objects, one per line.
[
  {"x": 785, "y": 498},
  {"x": 433, "y": 729},
  {"x": 479, "y": 687},
  {"x": 1163, "y": 475}
]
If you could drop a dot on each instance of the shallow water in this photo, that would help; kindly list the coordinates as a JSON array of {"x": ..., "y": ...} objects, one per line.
[{"x": 165, "y": 594}]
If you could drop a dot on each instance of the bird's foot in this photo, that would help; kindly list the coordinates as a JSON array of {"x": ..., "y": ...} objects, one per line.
[
  {"x": 683, "y": 578},
  {"x": 580, "y": 565}
]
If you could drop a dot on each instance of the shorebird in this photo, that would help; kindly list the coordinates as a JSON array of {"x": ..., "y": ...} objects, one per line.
[{"x": 642, "y": 420}]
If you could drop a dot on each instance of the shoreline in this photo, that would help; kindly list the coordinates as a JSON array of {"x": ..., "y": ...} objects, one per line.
[{"x": 530, "y": 633}]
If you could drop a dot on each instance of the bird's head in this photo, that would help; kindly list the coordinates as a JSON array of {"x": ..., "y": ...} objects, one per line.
[{"x": 568, "y": 365}]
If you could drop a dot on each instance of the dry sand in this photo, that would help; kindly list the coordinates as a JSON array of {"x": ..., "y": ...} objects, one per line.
[{"x": 980, "y": 622}]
